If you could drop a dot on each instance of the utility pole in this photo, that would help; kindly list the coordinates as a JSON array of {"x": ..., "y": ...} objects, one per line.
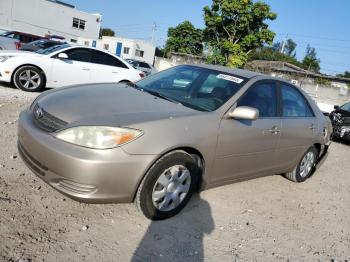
[
  {"x": 284, "y": 44},
  {"x": 154, "y": 29}
]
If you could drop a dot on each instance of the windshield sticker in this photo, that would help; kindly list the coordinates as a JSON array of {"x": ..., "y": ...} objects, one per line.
[{"x": 230, "y": 78}]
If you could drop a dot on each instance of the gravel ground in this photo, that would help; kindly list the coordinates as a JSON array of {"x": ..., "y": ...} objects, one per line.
[{"x": 266, "y": 219}]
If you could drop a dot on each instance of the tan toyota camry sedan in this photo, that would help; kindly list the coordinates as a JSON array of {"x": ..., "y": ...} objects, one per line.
[{"x": 158, "y": 141}]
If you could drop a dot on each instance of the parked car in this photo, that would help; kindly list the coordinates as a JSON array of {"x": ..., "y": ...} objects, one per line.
[
  {"x": 63, "y": 65},
  {"x": 143, "y": 66},
  {"x": 156, "y": 143},
  {"x": 41, "y": 44},
  {"x": 12, "y": 40},
  {"x": 340, "y": 118}
]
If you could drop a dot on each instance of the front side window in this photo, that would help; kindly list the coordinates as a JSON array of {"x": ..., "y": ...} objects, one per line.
[
  {"x": 294, "y": 103},
  {"x": 345, "y": 107},
  {"x": 261, "y": 96},
  {"x": 198, "y": 88},
  {"x": 106, "y": 59},
  {"x": 79, "y": 54}
]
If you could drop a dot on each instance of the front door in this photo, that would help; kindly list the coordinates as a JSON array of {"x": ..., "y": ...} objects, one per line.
[
  {"x": 74, "y": 70},
  {"x": 248, "y": 148}
]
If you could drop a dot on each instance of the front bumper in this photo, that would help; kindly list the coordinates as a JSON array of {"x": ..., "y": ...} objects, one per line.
[{"x": 87, "y": 175}]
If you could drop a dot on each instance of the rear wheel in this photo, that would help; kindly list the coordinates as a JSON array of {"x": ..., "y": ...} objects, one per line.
[
  {"x": 29, "y": 79},
  {"x": 168, "y": 185},
  {"x": 305, "y": 167}
]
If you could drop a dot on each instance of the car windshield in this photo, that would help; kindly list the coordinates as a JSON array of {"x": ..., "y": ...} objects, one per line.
[
  {"x": 52, "y": 49},
  {"x": 195, "y": 87},
  {"x": 345, "y": 107},
  {"x": 7, "y": 34}
]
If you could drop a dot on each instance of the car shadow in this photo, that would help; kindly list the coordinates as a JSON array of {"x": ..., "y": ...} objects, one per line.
[
  {"x": 11, "y": 86},
  {"x": 340, "y": 141},
  {"x": 179, "y": 238}
]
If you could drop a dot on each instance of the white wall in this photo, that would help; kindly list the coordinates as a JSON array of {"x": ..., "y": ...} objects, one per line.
[
  {"x": 41, "y": 17},
  {"x": 133, "y": 45}
]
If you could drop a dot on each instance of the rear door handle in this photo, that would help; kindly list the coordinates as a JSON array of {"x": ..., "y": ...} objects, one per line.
[
  {"x": 275, "y": 130},
  {"x": 86, "y": 69}
]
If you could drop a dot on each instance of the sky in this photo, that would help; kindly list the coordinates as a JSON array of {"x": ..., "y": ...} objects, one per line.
[{"x": 323, "y": 24}]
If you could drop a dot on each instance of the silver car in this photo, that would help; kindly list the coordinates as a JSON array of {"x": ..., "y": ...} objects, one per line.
[
  {"x": 147, "y": 68},
  {"x": 156, "y": 142}
]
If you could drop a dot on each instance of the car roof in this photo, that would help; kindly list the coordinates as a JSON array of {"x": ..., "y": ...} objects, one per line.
[{"x": 234, "y": 71}]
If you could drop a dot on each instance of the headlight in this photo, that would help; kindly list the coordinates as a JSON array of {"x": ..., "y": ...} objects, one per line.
[
  {"x": 4, "y": 58},
  {"x": 98, "y": 137}
]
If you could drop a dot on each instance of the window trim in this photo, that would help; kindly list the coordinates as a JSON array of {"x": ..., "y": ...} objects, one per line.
[
  {"x": 264, "y": 81},
  {"x": 279, "y": 87}
]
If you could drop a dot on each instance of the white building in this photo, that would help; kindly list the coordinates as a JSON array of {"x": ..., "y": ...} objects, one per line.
[
  {"x": 126, "y": 48},
  {"x": 48, "y": 17}
]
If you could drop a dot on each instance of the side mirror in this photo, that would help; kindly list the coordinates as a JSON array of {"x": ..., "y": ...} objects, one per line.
[
  {"x": 62, "y": 56},
  {"x": 336, "y": 107},
  {"x": 245, "y": 113}
]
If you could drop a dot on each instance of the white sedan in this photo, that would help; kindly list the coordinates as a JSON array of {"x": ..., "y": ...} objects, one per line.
[{"x": 64, "y": 65}]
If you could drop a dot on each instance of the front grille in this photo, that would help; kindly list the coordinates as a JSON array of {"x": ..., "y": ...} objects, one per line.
[{"x": 46, "y": 121}]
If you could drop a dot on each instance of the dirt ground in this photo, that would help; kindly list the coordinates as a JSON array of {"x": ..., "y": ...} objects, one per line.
[{"x": 266, "y": 219}]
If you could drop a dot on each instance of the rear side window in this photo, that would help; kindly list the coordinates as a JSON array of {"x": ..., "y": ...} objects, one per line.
[
  {"x": 106, "y": 59},
  {"x": 261, "y": 96},
  {"x": 294, "y": 103},
  {"x": 79, "y": 54}
]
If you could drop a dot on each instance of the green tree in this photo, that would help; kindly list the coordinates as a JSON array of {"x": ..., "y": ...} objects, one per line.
[
  {"x": 289, "y": 47},
  {"x": 271, "y": 54},
  {"x": 234, "y": 28},
  {"x": 106, "y": 32},
  {"x": 185, "y": 38},
  {"x": 346, "y": 74},
  {"x": 310, "y": 61}
]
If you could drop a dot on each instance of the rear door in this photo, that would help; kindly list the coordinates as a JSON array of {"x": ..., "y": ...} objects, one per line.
[
  {"x": 247, "y": 148},
  {"x": 107, "y": 68},
  {"x": 299, "y": 125},
  {"x": 74, "y": 70}
]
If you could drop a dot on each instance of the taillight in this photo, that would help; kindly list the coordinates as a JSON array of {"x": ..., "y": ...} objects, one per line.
[
  {"x": 18, "y": 45},
  {"x": 142, "y": 75}
]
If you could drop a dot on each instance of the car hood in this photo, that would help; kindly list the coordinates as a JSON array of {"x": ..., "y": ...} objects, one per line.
[
  {"x": 17, "y": 53},
  {"x": 108, "y": 104}
]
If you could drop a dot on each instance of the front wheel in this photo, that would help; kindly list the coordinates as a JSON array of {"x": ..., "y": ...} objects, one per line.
[
  {"x": 305, "y": 167},
  {"x": 168, "y": 185},
  {"x": 29, "y": 79}
]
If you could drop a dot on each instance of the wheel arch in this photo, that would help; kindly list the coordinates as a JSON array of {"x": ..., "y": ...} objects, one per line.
[
  {"x": 318, "y": 147},
  {"x": 38, "y": 67},
  {"x": 189, "y": 150}
]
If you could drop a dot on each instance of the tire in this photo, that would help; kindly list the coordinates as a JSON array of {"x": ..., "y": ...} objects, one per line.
[
  {"x": 160, "y": 200},
  {"x": 29, "y": 79},
  {"x": 305, "y": 167}
]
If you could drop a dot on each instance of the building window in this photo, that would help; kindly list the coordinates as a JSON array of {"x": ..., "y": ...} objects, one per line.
[
  {"x": 79, "y": 23},
  {"x": 126, "y": 50},
  {"x": 106, "y": 46},
  {"x": 86, "y": 43},
  {"x": 139, "y": 53},
  {"x": 74, "y": 40}
]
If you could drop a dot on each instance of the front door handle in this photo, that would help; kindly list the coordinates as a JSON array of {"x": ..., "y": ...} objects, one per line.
[
  {"x": 312, "y": 127},
  {"x": 275, "y": 130},
  {"x": 86, "y": 69}
]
